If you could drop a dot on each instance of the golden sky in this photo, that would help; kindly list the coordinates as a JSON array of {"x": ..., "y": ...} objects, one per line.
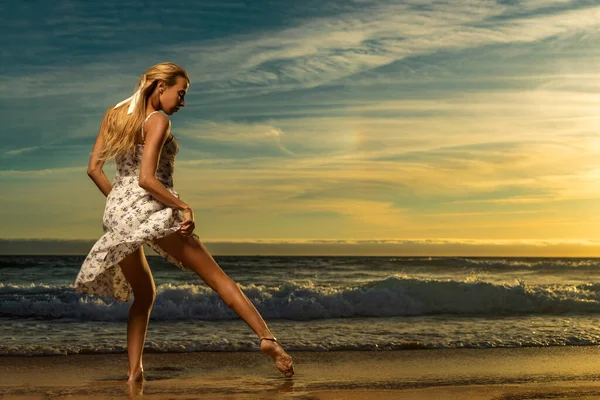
[{"x": 456, "y": 128}]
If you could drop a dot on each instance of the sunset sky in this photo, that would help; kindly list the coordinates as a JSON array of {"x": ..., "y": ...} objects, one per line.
[{"x": 319, "y": 127}]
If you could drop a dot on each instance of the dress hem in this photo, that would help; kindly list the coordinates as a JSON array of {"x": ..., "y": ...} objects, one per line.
[{"x": 117, "y": 280}]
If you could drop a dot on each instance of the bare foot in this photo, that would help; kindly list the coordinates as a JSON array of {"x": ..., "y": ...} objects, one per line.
[
  {"x": 137, "y": 376},
  {"x": 129, "y": 371},
  {"x": 283, "y": 361}
]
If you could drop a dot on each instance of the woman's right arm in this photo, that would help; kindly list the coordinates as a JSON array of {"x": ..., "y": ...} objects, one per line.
[{"x": 94, "y": 169}]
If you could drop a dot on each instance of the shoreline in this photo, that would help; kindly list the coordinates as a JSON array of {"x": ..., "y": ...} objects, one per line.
[{"x": 403, "y": 374}]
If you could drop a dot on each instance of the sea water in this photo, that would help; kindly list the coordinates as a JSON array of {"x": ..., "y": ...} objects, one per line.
[{"x": 312, "y": 304}]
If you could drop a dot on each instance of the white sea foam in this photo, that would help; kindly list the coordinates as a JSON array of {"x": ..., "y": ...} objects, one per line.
[{"x": 397, "y": 295}]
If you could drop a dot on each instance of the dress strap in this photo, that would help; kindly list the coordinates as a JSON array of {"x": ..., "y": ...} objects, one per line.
[{"x": 144, "y": 123}]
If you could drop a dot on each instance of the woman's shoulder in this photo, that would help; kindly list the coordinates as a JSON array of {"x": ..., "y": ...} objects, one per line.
[
  {"x": 158, "y": 118},
  {"x": 158, "y": 121},
  {"x": 157, "y": 126}
]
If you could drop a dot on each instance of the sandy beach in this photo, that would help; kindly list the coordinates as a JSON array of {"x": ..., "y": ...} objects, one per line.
[{"x": 502, "y": 373}]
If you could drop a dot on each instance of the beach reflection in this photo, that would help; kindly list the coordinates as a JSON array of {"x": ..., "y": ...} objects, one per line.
[
  {"x": 135, "y": 389},
  {"x": 225, "y": 388}
]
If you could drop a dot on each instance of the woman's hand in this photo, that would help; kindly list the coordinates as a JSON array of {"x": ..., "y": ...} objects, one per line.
[{"x": 187, "y": 225}]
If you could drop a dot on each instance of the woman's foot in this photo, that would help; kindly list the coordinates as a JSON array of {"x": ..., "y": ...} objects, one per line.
[
  {"x": 283, "y": 361},
  {"x": 129, "y": 370},
  {"x": 137, "y": 376}
]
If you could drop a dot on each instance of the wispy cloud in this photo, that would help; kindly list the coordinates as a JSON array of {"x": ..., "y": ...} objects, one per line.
[
  {"x": 325, "y": 50},
  {"x": 16, "y": 152},
  {"x": 359, "y": 119},
  {"x": 40, "y": 172},
  {"x": 321, "y": 50},
  {"x": 246, "y": 135}
]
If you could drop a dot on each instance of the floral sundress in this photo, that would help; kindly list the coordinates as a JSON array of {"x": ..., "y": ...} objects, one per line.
[{"x": 132, "y": 217}]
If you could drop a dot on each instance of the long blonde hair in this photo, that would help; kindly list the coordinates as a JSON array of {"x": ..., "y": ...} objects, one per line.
[{"x": 120, "y": 129}]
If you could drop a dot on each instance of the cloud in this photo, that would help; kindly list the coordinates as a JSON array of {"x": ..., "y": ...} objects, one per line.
[
  {"x": 325, "y": 50},
  {"x": 17, "y": 152},
  {"x": 41, "y": 172},
  {"x": 247, "y": 135},
  {"x": 316, "y": 51},
  {"x": 371, "y": 119}
]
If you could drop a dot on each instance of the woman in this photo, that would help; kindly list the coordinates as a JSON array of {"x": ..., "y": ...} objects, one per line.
[{"x": 142, "y": 207}]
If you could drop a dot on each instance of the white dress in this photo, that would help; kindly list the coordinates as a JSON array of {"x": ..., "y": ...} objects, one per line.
[{"x": 131, "y": 218}]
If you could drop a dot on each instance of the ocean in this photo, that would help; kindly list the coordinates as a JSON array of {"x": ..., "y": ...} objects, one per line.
[{"x": 313, "y": 304}]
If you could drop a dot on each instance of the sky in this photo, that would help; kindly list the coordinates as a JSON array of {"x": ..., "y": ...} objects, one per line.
[{"x": 318, "y": 127}]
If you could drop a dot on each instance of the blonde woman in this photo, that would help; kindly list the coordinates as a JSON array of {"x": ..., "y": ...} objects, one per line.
[{"x": 142, "y": 207}]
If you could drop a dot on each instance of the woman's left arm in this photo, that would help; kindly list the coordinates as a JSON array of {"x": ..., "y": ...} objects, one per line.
[{"x": 95, "y": 171}]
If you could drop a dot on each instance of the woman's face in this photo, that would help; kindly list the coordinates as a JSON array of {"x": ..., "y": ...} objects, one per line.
[{"x": 173, "y": 97}]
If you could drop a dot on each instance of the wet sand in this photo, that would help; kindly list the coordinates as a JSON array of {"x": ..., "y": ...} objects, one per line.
[{"x": 526, "y": 373}]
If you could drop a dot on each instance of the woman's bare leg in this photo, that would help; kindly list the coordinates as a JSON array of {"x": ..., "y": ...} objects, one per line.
[
  {"x": 195, "y": 256},
  {"x": 137, "y": 272}
]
